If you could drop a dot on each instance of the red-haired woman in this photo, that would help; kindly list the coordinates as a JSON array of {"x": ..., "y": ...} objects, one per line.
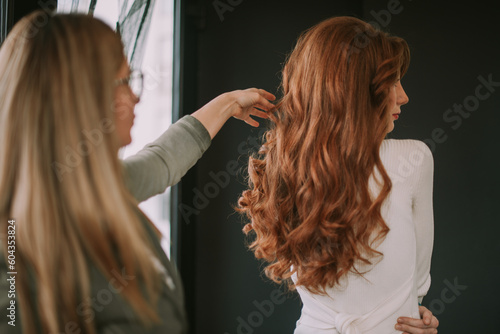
[{"x": 340, "y": 213}]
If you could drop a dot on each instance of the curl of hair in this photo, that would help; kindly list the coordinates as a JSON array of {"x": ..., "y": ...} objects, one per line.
[{"x": 309, "y": 201}]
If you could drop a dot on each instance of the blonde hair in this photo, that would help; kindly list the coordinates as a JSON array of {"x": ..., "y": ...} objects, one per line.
[{"x": 60, "y": 176}]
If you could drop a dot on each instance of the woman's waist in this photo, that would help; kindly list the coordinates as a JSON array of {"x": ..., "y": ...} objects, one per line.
[{"x": 365, "y": 313}]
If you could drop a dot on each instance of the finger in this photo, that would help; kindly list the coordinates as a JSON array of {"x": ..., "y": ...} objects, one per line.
[
  {"x": 411, "y": 322},
  {"x": 261, "y": 108},
  {"x": 427, "y": 317},
  {"x": 259, "y": 113},
  {"x": 409, "y": 329},
  {"x": 263, "y": 93},
  {"x": 435, "y": 322},
  {"x": 267, "y": 95},
  {"x": 249, "y": 120},
  {"x": 264, "y": 104},
  {"x": 421, "y": 310}
]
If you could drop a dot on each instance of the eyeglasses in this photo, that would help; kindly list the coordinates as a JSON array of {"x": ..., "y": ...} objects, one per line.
[{"x": 135, "y": 81}]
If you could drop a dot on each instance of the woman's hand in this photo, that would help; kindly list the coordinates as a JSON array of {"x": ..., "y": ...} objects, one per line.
[
  {"x": 244, "y": 102},
  {"x": 240, "y": 104},
  {"x": 428, "y": 323}
]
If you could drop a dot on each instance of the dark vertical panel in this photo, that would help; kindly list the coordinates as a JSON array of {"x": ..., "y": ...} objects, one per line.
[
  {"x": 454, "y": 49},
  {"x": 184, "y": 102},
  {"x": 6, "y": 18},
  {"x": 242, "y": 44},
  {"x": 177, "y": 97},
  {"x": 12, "y": 11}
]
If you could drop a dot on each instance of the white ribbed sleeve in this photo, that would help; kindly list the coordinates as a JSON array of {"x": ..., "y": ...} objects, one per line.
[{"x": 411, "y": 163}]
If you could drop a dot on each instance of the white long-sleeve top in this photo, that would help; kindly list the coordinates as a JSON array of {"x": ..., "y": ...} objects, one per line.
[{"x": 396, "y": 282}]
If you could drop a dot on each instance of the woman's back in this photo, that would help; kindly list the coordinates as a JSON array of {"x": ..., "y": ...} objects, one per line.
[{"x": 390, "y": 287}]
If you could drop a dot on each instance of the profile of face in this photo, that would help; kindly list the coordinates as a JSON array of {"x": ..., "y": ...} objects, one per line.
[
  {"x": 397, "y": 97},
  {"x": 125, "y": 102}
]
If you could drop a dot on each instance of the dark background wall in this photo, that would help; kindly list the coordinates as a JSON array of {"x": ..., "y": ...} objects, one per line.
[{"x": 452, "y": 44}]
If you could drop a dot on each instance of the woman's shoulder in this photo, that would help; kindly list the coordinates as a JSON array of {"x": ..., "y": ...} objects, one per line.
[
  {"x": 405, "y": 144},
  {"x": 405, "y": 148},
  {"x": 407, "y": 160}
]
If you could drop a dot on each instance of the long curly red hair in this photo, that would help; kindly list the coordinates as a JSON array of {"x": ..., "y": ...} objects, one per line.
[{"x": 308, "y": 200}]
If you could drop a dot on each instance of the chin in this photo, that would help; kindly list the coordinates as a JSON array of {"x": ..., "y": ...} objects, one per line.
[
  {"x": 125, "y": 140},
  {"x": 390, "y": 128}
]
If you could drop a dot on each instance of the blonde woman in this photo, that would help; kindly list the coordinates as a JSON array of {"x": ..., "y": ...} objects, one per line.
[{"x": 86, "y": 259}]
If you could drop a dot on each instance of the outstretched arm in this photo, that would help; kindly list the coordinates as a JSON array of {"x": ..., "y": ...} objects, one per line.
[
  {"x": 239, "y": 104},
  {"x": 162, "y": 163}
]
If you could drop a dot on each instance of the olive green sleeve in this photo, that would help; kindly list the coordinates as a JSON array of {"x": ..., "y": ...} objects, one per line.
[{"x": 163, "y": 162}]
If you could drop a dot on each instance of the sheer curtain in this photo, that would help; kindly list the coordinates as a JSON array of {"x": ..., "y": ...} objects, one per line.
[
  {"x": 133, "y": 22},
  {"x": 146, "y": 29}
]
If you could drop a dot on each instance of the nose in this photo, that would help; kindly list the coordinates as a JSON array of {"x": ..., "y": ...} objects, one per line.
[{"x": 402, "y": 97}]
